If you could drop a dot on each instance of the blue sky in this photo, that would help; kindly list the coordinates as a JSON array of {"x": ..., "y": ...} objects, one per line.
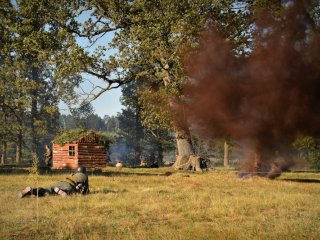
[
  {"x": 109, "y": 102},
  {"x": 106, "y": 104}
]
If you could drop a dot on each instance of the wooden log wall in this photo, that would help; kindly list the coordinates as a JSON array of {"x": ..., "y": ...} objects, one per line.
[
  {"x": 86, "y": 154},
  {"x": 92, "y": 155},
  {"x": 61, "y": 158}
]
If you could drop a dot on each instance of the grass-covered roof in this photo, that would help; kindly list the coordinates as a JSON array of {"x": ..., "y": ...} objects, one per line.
[{"x": 78, "y": 135}]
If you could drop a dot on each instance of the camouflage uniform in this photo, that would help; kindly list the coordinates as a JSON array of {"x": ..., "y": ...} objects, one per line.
[
  {"x": 48, "y": 156},
  {"x": 76, "y": 183}
]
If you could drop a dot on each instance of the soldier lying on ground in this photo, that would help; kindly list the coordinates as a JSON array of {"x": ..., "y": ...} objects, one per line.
[{"x": 77, "y": 183}]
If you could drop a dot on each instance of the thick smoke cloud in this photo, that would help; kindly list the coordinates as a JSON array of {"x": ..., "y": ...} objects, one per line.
[{"x": 263, "y": 100}]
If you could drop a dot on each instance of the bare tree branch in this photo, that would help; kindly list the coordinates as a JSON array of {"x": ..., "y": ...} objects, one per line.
[
  {"x": 111, "y": 84},
  {"x": 94, "y": 42}
]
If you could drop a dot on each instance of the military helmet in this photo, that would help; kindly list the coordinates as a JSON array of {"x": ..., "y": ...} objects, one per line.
[{"x": 82, "y": 169}]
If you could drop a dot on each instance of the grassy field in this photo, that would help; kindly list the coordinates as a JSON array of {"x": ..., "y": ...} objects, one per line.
[{"x": 149, "y": 204}]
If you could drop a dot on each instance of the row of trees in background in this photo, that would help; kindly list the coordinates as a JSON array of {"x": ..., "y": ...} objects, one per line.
[{"x": 42, "y": 62}]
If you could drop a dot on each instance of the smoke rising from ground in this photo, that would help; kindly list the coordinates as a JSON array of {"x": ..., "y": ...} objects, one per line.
[{"x": 266, "y": 99}]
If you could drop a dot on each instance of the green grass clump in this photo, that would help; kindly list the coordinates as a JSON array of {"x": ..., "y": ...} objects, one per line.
[{"x": 152, "y": 204}]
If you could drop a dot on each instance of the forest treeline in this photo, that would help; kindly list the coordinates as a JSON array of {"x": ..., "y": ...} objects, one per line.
[{"x": 49, "y": 48}]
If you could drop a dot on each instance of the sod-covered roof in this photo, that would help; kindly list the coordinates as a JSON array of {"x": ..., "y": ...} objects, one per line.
[{"x": 82, "y": 136}]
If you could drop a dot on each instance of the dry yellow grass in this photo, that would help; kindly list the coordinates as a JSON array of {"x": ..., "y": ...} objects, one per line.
[{"x": 147, "y": 204}]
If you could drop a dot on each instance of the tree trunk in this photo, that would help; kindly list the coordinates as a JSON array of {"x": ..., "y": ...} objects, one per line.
[
  {"x": 226, "y": 154},
  {"x": 34, "y": 115},
  {"x": 183, "y": 137},
  {"x": 4, "y": 144},
  {"x": 184, "y": 146},
  {"x": 19, "y": 148},
  {"x": 4, "y": 152},
  {"x": 138, "y": 136},
  {"x": 160, "y": 154}
]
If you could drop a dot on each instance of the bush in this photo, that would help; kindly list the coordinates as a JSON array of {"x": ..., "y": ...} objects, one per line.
[{"x": 309, "y": 149}]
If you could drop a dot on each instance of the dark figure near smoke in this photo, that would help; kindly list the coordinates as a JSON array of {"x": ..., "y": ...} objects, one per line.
[
  {"x": 78, "y": 182},
  {"x": 48, "y": 157},
  {"x": 256, "y": 165},
  {"x": 264, "y": 169}
]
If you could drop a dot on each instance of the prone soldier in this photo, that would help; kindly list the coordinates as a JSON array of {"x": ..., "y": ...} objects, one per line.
[{"x": 78, "y": 182}]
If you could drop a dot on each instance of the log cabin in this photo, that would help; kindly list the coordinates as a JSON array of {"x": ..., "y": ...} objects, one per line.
[{"x": 83, "y": 148}]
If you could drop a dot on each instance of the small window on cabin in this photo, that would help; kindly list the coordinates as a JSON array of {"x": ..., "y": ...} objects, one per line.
[{"x": 72, "y": 151}]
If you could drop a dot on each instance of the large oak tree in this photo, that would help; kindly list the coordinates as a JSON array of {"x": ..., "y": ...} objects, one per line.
[{"x": 152, "y": 39}]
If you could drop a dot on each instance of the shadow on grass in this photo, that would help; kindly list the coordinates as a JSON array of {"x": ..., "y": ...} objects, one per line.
[
  {"x": 304, "y": 171},
  {"x": 301, "y": 180},
  {"x": 123, "y": 173},
  {"x": 12, "y": 170},
  {"x": 105, "y": 191},
  {"x": 8, "y": 170}
]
